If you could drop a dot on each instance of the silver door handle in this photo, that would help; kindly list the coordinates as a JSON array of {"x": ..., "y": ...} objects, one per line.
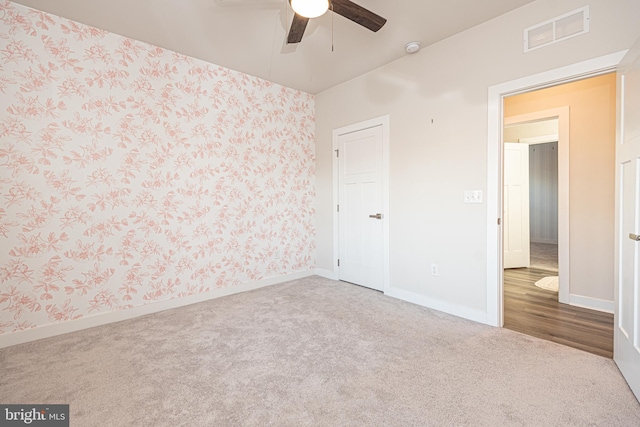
[
  {"x": 376, "y": 216},
  {"x": 634, "y": 237}
]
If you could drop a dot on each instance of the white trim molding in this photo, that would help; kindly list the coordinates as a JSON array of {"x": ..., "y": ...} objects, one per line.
[
  {"x": 435, "y": 304},
  {"x": 592, "y": 303},
  {"x": 54, "y": 329},
  {"x": 562, "y": 114},
  {"x": 327, "y": 274},
  {"x": 496, "y": 95},
  {"x": 544, "y": 139}
]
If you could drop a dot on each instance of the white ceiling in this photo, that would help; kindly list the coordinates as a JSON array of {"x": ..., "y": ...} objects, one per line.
[{"x": 249, "y": 35}]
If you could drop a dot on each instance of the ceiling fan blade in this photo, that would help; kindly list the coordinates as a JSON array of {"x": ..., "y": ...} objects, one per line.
[
  {"x": 358, "y": 14},
  {"x": 298, "y": 25}
]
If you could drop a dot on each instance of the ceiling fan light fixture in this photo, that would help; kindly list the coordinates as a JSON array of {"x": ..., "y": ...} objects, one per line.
[{"x": 310, "y": 8}]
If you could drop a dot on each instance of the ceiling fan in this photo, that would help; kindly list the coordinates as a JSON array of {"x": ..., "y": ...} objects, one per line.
[{"x": 306, "y": 9}]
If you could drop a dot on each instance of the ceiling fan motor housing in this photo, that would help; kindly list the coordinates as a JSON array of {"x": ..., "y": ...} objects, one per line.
[{"x": 346, "y": 8}]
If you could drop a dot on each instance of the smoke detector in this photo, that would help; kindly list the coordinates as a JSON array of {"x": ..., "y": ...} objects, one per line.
[{"x": 412, "y": 47}]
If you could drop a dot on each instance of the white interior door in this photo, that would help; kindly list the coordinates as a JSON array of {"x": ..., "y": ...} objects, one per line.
[
  {"x": 516, "y": 205},
  {"x": 627, "y": 310},
  {"x": 361, "y": 207}
]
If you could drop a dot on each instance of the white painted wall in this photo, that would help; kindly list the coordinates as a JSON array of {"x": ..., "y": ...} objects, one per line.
[
  {"x": 437, "y": 102},
  {"x": 513, "y": 133}
]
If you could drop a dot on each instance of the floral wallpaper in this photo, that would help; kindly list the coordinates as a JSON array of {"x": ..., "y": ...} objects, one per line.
[{"x": 131, "y": 174}]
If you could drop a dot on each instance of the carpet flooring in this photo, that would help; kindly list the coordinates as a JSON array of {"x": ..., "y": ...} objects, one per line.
[{"x": 314, "y": 352}]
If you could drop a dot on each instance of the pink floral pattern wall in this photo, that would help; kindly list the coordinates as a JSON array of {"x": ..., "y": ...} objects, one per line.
[{"x": 131, "y": 174}]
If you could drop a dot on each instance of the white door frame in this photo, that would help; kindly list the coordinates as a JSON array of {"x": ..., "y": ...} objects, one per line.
[
  {"x": 497, "y": 93},
  {"x": 562, "y": 114},
  {"x": 367, "y": 124}
]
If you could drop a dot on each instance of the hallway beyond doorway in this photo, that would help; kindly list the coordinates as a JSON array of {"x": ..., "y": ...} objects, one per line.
[{"x": 544, "y": 256}]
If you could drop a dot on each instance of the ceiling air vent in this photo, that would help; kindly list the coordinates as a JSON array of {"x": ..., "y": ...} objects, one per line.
[{"x": 557, "y": 29}]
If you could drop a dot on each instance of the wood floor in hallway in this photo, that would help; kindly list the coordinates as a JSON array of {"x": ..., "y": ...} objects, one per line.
[{"x": 537, "y": 312}]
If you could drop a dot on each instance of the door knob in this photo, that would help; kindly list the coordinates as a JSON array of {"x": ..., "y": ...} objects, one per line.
[
  {"x": 634, "y": 237},
  {"x": 376, "y": 216}
]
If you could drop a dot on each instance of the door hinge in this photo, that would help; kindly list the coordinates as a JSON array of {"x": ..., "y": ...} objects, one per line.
[
  {"x": 498, "y": 221},
  {"x": 337, "y": 153},
  {"x": 337, "y": 208},
  {"x": 338, "y": 263}
]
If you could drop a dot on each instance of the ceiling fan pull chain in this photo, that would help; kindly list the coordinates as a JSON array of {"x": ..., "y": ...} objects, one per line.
[{"x": 332, "y": 15}]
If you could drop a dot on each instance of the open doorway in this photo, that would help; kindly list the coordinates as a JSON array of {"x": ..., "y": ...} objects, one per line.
[
  {"x": 579, "y": 312},
  {"x": 539, "y": 140},
  {"x": 543, "y": 203}
]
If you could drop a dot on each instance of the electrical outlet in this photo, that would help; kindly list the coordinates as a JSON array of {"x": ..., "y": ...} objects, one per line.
[
  {"x": 434, "y": 269},
  {"x": 278, "y": 254}
]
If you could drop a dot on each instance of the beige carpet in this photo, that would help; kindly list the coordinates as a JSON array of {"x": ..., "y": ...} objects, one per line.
[{"x": 314, "y": 352}]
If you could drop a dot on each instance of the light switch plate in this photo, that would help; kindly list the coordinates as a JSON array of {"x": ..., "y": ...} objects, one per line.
[{"x": 473, "y": 196}]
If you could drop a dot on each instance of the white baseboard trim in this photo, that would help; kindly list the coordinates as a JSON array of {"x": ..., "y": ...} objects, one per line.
[
  {"x": 327, "y": 274},
  {"x": 592, "y": 303},
  {"x": 454, "y": 309},
  {"x": 54, "y": 329}
]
